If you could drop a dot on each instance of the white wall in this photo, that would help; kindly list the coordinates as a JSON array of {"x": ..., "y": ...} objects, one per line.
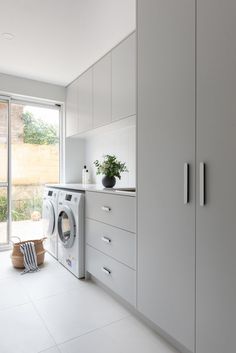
[
  {"x": 34, "y": 89},
  {"x": 74, "y": 160},
  {"x": 120, "y": 142}
]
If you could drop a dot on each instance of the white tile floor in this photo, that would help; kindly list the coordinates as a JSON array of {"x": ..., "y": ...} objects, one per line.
[{"x": 53, "y": 312}]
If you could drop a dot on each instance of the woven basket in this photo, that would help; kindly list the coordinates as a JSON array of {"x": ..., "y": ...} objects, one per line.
[{"x": 17, "y": 257}]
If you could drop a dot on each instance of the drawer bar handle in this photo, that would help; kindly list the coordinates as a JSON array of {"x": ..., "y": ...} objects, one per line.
[
  {"x": 106, "y": 270},
  {"x": 106, "y": 208},
  {"x": 186, "y": 183},
  {"x": 106, "y": 240},
  {"x": 202, "y": 184}
]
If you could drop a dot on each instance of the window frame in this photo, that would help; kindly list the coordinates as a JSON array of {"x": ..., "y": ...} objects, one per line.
[{"x": 11, "y": 99}]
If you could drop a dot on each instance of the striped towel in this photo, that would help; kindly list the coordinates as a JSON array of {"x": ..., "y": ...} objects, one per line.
[{"x": 30, "y": 258}]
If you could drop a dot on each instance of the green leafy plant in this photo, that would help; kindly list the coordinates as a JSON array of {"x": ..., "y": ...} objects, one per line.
[
  {"x": 19, "y": 213},
  {"x": 3, "y": 208},
  {"x": 21, "y": 209},
  {"x": 110, "y": 166},
  {"x": 36, "y": 203},
  {"x": 37, "y": 131}
]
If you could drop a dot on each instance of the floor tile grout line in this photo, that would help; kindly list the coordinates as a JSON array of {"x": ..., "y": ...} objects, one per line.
[
  {"x": 58, "y": 344},
  {"x": 51, "y": 295},
  {"x": 39, "y": 316},
  {"x": 47, "y": 349},
  {"x": 94, "y": 330},
  {"x": 32, "y": 301},
  {"x": 59, "y": 349},
  {"x": 30, "y": 297},
  {"x": 43, "y": 322},
  {"x": 14, "y": 306}
]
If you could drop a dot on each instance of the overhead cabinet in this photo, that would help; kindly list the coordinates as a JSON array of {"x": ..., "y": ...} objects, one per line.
[
  {"x": 124, "y": 79},
  {"x": 72, "y": 109},
  {"x": 85, "y": 101},
  {"x": 186, "y": 242},
  {"x": 104, "y": 93}
]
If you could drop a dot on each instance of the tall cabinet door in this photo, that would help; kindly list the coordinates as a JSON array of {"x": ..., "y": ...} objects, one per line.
[
  {"x": 216, "y": 148},
  {"x": 166, "y": 152}
]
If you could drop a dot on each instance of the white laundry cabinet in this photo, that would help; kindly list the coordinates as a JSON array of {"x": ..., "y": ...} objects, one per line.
[{"x": 186, "y": 139}]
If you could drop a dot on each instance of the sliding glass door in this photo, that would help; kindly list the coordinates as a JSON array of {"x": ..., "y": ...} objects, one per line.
[
  {"x": 4, "y": 172},
  {"x": 30, "y": 157},
  {"x": 35, "y": 161}
]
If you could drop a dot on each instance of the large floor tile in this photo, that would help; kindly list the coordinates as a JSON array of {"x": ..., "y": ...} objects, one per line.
[
  {"x": 76, "y": 314},
  {"x": 48, "y": 282},
  {"x": 6, "y": 268},
  {"x": 126, "y": 335},
  {"x": 12, "y": 293},
  {"x": 78, "y": 311},
  {"x": 23, "y": 331},
  {"x": 135, "y": 337}
]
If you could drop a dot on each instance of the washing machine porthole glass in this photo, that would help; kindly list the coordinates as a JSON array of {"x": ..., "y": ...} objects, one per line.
[{"x": 66, "y": 227}]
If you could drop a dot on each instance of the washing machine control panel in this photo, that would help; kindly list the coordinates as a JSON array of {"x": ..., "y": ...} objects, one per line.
[{"x": 68, "y": 197}]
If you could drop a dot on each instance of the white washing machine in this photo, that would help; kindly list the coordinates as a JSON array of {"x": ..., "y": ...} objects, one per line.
[
  {"x": 70, "y": 226},
  {"x": 50, "y": 201}
]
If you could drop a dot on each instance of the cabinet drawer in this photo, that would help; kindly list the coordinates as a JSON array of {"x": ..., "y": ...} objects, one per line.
[
  {"x": 116, "y": 210},
  {"x": 114, "y": 242},
  {"x": 119, "y": 278}
]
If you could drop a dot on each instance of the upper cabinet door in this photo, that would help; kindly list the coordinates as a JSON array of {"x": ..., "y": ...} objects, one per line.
[
  {"x": 102, "y": 92},
  {"x": 166, "y": 143},
  {"x": 72, "y": 109},
  {"x": 216, "y": 147},
  {"x": 124, "y": 79},
  {"x": 85, "y": 103}
]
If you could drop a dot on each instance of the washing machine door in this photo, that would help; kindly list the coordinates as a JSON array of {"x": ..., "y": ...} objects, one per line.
[
  {"x": 66, "y": 227},
  {"x": 48, "y": 218}
]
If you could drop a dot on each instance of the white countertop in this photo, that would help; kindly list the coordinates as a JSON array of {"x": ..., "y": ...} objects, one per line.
[{"x": 93, "y": 187}]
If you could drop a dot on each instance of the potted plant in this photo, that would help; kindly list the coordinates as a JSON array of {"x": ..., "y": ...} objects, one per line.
[{"x": 111, "y": 168}]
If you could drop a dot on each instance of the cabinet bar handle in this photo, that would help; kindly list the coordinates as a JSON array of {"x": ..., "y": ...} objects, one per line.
[
  {"x": 202, "y": 184},
  {"x": 106, "y": 208},
  {"x": 106, "y": 270},
  {"x": 186, "y": 183},
  {"x": 106, "y": 240}
]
